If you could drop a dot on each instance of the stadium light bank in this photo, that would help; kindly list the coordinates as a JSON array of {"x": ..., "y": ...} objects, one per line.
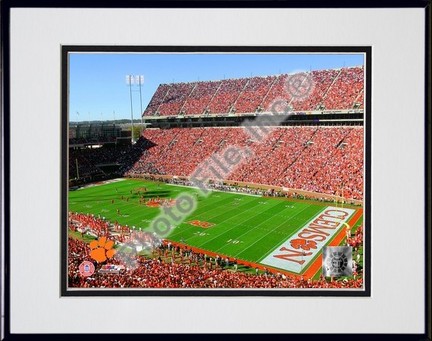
[{"x": 138, "y": 80}]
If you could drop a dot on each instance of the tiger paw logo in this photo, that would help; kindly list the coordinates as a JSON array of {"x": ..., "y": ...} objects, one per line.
[
  {"x": 303, "y": 244},
  {"x": 199, "y": 223},
  {"x": 101, "y": 249}
]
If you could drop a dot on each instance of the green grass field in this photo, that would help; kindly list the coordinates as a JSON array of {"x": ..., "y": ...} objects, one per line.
[{"x": 245, "y": 227}]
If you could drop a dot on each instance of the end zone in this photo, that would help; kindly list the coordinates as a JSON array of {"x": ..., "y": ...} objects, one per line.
[{"x": 300, "y": 249}]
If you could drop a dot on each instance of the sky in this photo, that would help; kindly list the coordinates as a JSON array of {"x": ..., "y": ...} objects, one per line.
[{"x": 98, "y": 89}]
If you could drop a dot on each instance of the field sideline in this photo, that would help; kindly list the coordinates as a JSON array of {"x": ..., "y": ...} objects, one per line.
[{"x": 245, "y": 227}]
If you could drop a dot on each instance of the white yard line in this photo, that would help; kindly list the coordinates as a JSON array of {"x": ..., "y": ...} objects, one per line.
[
  {"x": 288, "y": 237},
  {"x": 272, "y": 231},
  {"x": 235, "y": 215},
  {"x": 212, "y": 217}
]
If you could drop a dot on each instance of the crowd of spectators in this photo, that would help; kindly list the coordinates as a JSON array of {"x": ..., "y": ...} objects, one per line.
[
  {"x": 334, "y": 89},
  {"x": 157, "y": 99},
  {"x": 90, "y": 161},
  {"x": 80, "y": 164},
  {"x": 88, "y": 224},
  {"x": 175, "y": 267},
  {"x": 179, "y": 151},
  {"x": 342, "y": 173},
  {"x": 360, "y": 100},
  {"x": 345, "y": 89},
  {"x": 326, "y": 160},
  {"x": 218, "y": 186},
  {"x": 277, "y": 92},
  {"x": 253, "y": 94},
  {"x": 357, "y": 240},
  {"x": 226, "y": 95},
  {"x": 318, "y": 82},
  {"x": 199, "y": 99},
  {"x": 91, "y": 140},
  {"x": 148, "y": 162},
  {"x": 317, "y": 152},
  {"x": 175, "y": 98}
]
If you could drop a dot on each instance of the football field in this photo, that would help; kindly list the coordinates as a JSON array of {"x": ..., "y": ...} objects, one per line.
[{"x": 276, "y": 233}]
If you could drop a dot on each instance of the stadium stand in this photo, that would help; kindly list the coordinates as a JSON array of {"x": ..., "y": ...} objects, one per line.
[
  {"x": 199, "y": 99},
  {"x": 345, "y": 89},
  {"x": 337, "y": 89},
  {"x": 252, "y": 96},
  {"x": 86, "y": 167},
  {"x": 320, "y": 82},
  {"x": 317, "y": 159},
  {"x": 175, "y": 98},
  {"x": 157, "y": 100},
  {"x": 226, "y": 95},
  {"x": 184, "y": 268}
]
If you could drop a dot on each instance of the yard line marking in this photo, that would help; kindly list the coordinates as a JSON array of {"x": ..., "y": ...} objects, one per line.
[
  {"x": 272, "y": 231},
  {"x": 236, "y": 225},
  {"x": 231, "y": 210},
  {"x": 217, "y": 215}
]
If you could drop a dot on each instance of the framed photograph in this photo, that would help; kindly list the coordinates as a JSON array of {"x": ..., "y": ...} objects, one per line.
[
  {"x": 161, "y": 156},
  {"x": 226, "y": 184}
]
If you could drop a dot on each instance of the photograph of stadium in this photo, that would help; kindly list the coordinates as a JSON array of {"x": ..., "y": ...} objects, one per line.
[{"x": 215, "y": 171}]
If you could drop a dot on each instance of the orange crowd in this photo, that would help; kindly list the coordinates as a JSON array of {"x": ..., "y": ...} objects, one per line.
[
  {"x": 334, "y": 89},
  {"x": 326, "y": 160},
  {"x": 189, "y": 270}
]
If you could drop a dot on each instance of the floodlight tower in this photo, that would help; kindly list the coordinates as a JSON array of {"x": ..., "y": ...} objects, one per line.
[
  {"x": 130, "y": 81},
  {"x": 139, "y": 79}
]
